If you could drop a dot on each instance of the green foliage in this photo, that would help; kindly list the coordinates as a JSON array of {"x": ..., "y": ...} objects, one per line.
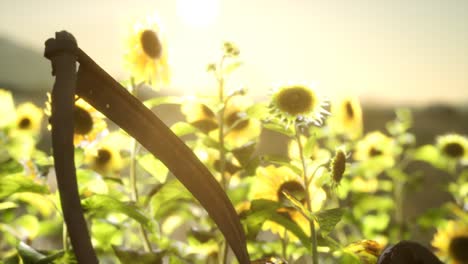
[
  {"x": 263, "y": 210},
  {"x": 154, "y": 167},
  {"x": 18, "y": 183},
  {"x": 128, "y": 256},
  {"x": 136, "y": 206},
  {"x": 328, "y": 219},
  {"x": 101, "y": 205}
]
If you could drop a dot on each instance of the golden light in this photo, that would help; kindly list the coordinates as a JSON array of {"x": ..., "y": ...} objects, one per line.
[{"x": 198, "y": 13}]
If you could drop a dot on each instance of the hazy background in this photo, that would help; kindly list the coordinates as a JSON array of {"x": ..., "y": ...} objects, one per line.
[{"x": 387, "y": 52}]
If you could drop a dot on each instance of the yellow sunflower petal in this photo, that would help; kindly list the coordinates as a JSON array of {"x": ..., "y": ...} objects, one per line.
[
  {"x": 346, "y": 117},
  {"x": 295, "y": 103},
  {"x": 240, "y": 128},
  {"x": 88, "y": 123},
  {"x": 374, "y": 144},
  {"x": 270, "y": 183},
  {"x": 453, "y": 146},
  {"x": 146, "y": 55},
  {"x": 451, "y": 242},
  {"x": 28, "y": 118},
  {"x": 104, "y": 159},
  {"x": 7, "y": 111}
]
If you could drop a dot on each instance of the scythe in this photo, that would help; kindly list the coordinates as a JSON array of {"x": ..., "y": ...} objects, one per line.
[{"x": 100, "y": 90}]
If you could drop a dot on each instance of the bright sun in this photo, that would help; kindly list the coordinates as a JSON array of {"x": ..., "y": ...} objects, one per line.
[{"x": 198, "y": 13}]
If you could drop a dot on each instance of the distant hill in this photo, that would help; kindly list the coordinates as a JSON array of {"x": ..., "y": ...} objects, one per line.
[{"x": 23, "y": 70}]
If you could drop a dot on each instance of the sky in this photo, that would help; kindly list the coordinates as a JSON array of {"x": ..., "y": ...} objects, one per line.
[{"x": 384, "y": 51}]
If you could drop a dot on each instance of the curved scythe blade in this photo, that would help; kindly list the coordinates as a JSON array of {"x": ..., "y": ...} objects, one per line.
[{"x": 109, "y": 97}]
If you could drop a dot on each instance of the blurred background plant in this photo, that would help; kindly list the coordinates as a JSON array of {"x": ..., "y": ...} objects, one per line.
[{"x": 336, "y": 193}]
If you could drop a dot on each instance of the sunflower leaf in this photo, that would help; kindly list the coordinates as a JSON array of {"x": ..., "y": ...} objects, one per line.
[
  {"x": 18, "y": 182},
  {"x": 298, "y": 205},
  {"x": 10, "y": 166},
  {"x": 231, "y": 67},
  {"x": 259, "y": 111},
  {"x": 104, "y": 204},
  {"x": 28, "y": 254},
  {"x": 431, "y": 155},
  {"x": 328, "y": 219},
  {"x": 27, "y": 226},
  {"x": 279, "y": 160},
  {"x": 244, "y": 153},
  {"x": 7, "y": 205},
  {"x": 183, "y": 128},
  {"x": 127, "y": 256},
  {"x": 309, "y": 147},
  {"x": 327, "y": 241},
  {"x": 153, "y": 102},
  {"x": 280, "y": 128},
  {"x": 262, "y": 210},
  {"x": 169, "y": 198},
  {"x": 153, "y": 166}
]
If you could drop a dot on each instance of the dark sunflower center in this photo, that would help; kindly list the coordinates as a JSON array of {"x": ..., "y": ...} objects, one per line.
[
  {"x": 24, "y": 123},
  {"x": 103, "y": 156},
  {"x": 151, "y": 44},
  {"x": 374, "y": 152},
  {"x": 236, "y": 121},
  {"x": 82, "y": 121},
  {"x": 349, "y": 110},
  {"x": 293, "y": 188},
  {"x": 454, "y": 150},
  {"x": 295, "y": 100},
  {"x": 458, "y": 249}
]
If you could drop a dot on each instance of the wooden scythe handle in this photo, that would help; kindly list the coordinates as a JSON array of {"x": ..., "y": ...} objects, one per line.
[
  {"x": 99, "y": 89},
  {"x": 62, "y": 52}
]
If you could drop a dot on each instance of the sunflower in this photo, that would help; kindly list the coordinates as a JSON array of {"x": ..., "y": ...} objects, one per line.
[
  {"x": 146, "y": 56},
  {"x": 453, "y": 146},
  {"x": 200, "y": 116},
  {"x": 7, "y": 111},
  {"x": 270, "y": 184},
  {"x": 104, "y": 159},
  {"x": 238, "y": 128},
  {"x": 298, "y": 103},
  {"x": 368, "y": 251},
  {"x": 338, "y": 165},
  {"x": 374, "y": 145},
  {"x": 316, "y": 155},
  {"x": 28, "y": 118},
  {"x": 361, "y": 184},
  {"x": 88, "y": 122},
  {"x": 451, "y": 242},
  {"x": 346, "y": 117}
]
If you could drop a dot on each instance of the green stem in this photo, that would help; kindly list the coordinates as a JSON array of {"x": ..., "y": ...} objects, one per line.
[
  {"x": 225, "y": 252},
  {"x": 313, "y": 232},
  {"x": 133, "y": 178},
  {"x": 284, "y": 245},
  {"x": 222, "y": 151},
  {"x": 66, "y": 246},
  {"x": 398, "y": 194}
]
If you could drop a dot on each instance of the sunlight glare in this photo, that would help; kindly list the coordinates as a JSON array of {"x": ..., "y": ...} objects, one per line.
[{"x": 198, "y": 13}]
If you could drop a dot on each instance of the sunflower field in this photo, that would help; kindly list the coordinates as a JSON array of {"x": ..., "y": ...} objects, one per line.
[{"x": 335, "y": 195}]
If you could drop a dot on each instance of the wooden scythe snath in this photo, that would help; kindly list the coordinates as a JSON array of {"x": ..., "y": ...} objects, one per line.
[{"x": 100, "y": 90}]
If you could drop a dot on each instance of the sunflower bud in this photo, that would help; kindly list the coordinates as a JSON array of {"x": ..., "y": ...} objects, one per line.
[{"x": 338, "y": 165}]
